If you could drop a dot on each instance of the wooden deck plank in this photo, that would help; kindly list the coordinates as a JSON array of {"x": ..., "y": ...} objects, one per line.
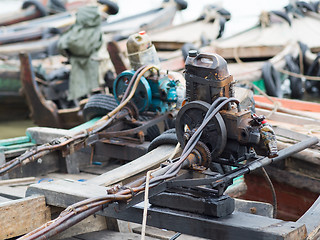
[
  {"x": 109, "y": 235},
  {"x": 18, "y": 217},
  {"x": 236, "y": 226},
  {"x": 3, "y": 199},
  {"x": 13, "y": 192},
  {"x": 163, "y": 233},
  {"x": 145, "y": 162}
]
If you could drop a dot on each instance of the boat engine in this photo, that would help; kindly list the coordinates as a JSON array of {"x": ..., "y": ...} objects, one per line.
[
  {"x": 232, "y": 132},
  {"x": 156, "y": 92}
]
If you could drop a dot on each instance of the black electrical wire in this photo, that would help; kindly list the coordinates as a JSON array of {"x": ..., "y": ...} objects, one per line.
[{"x": 273, "y": 191}]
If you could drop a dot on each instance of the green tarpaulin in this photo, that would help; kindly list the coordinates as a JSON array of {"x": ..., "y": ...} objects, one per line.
[{"x": 80, "y": 43}]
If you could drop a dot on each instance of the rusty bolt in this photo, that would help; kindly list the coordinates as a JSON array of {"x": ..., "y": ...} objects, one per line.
[{"x": 253, "y": 210}]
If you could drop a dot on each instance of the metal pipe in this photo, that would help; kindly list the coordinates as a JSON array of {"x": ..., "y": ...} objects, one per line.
[{"x": 284, "y": 153}]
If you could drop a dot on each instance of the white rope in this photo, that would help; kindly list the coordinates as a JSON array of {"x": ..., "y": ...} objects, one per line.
[
  {"x": 146, "y": 194},
  {"x": 145, "y": 208}
]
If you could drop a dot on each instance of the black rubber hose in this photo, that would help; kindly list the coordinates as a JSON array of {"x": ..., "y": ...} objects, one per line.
[{"x": 273, "y": 191}]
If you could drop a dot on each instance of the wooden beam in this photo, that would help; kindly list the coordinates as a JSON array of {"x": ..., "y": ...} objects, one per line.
[
  {"x": 21, "y": 216},
  {"x": 238, "y": 225},
  {"x": 283, "y": 117},
  {"x": 244, "y": 52},
  {"x": 16, "y": 181},
  {"x": 143, "y": 163},
  {"x": 235, "y": 226}
]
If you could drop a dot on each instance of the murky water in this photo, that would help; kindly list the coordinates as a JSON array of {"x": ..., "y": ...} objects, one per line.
[{"x": 11, "y": 129}]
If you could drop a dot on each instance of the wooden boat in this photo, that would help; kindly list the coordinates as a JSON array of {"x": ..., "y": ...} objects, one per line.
[
  {"x": 169, "y": 40},
  {"x": 158, "y": 17},
  {"x": 44, "y": 111},
  {"x": 11, "y": 93},
  {"x": 296, "y": 191},
  {"x": 296, "y": 178},
  {"x": 268, "y": 38},
  {"x": 153, "y": 19},
  {"x": 37, "y": 9},
  {"x": 48, "y": 26},
  {"x": 207, "y": 28}
]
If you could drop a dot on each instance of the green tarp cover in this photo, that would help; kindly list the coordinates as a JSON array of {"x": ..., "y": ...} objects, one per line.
[{"x": 81, "y": 42}]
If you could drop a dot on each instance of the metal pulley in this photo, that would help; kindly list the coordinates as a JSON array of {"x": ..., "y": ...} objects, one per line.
[
  {"x": 191, "y": 116},
  {"x": 143, "y": 95}
]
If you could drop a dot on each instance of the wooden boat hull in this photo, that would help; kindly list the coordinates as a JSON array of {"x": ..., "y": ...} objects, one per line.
[
  {"x": 13, "y": 105},
  {"x": 32, "y": 11}
]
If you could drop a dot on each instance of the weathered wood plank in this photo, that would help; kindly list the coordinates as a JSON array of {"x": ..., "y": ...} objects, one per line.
[
  {"x": 308, "y": 155},
  {"x": 254, "y": 207},
  {"x": 13, "y": 192},
  {"x": 283, "y": 117},
  {"x": 248, "y": 52},
  {"x": 236, "y": 226},
  {"x": 3, "y": 161},
  {"x": 63, "y": 193},
  {"x": 294, "y": 179},
  {"x": 3, "y": 199},
  {"x": 16, "y": 181},
  {"x": 110, "y": 235},
  {"x": 145, "y": 162},
  {"x": 311, "y": 220},
  {"x": 18, "y": 217},
  {"x": 163, "y": 234},
  {"x": 89, "y": 224}
]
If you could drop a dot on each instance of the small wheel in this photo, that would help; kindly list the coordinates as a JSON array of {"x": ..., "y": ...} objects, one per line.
[
  {"x": 214, "y": 134},
  {"x": 142, "y": 97},
  {"x": 153, "y": 131},
  {"x": 98, "y": 106},
  {"x": 167, "y": 137}
]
